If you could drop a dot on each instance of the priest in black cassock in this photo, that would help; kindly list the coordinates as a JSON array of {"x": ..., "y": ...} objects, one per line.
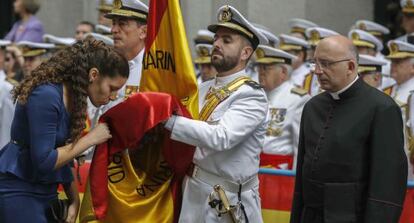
[{"x": 351, "y": 161}]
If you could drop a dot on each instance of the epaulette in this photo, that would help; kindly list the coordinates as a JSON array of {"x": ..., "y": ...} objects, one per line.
[
  {"x": 400, "y": 103},
  {"x": 299, "y": 91},
  {"x": 253, "y": 84},
  {"x": 12, "y": 81},
  {"x": 388, "y": 90}
]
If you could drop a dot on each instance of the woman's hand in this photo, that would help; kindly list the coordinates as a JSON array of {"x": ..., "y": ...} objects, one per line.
[
  {"x": 99, "y": 134},
  {"x": 71, "y": 191},
  {"x": 72, "y": 212}
]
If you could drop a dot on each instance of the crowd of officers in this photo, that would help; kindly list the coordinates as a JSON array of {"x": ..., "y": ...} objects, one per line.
[{"x": 283, "y": 67}]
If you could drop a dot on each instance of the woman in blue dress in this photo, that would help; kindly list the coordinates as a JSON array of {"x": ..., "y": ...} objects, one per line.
[{"x": 46, "y": 131}]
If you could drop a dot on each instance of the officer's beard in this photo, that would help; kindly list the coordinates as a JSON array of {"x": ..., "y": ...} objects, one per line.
[{"x": 224, "y": 63}]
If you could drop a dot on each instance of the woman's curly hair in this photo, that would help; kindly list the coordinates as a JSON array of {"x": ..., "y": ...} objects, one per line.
[{"x": 71, "y": 66}]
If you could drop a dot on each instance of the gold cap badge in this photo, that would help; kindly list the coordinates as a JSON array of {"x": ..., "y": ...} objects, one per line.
[
  {"x": 393, "y": 48},
  {"x": 260, "y": 53},
  {"x": 203, "y": 52},
  {"x": 225, "y": 15},
  {"x": 362, "y": 26},
  {"x": 314, "y": 36},
  {"x": 355, "y": 36},
  {"x": 117, "y": 4}
]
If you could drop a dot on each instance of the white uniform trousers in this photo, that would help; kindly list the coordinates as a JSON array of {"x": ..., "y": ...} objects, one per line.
[{"x": 195, "y": 207}]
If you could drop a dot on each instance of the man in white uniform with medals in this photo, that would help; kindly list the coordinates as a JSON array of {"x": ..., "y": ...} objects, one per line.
[
  {"x": 402, "y": 70},
  {"x": 286, "y": 102},
  {"x": 230, "y": 133},
  {"x": 129, "y": 30}
]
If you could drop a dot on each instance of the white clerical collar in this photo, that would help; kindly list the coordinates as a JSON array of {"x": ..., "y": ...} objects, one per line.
[
  {"x": 335, "y": 95},
  {"x": 221, "y": 81}
]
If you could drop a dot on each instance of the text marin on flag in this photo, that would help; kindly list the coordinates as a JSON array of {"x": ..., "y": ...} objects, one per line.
[{"x": 159, "y": 60}]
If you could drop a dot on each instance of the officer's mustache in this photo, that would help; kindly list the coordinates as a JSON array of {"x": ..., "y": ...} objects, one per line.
[{"x": 216, "y": 51}]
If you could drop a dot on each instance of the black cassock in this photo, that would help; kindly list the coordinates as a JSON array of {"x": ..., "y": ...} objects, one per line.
[{"x": 351, "y": 161}]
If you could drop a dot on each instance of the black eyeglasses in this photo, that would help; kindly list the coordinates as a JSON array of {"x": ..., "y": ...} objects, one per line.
[{"x": 324, "y": 64}]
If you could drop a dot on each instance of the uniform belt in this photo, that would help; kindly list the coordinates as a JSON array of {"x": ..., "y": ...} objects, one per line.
[{"x": 212, "y": 180}]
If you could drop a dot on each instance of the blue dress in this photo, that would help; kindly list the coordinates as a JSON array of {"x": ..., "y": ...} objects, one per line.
[{"x": 28, "y": 180}]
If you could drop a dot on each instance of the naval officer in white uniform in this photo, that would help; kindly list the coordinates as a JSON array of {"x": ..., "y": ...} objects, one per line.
[
  {"x": 402, "y": 70},
  {"x": 300, "y": 67},
  {"x": 314, "y": 36},
  {"x": 286, "y": 103},
  {"x": 230, "y": 133},
  {"x": 129, "y": 30}
]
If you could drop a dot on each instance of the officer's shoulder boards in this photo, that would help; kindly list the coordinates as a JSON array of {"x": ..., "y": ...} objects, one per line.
[
  {"x": 308, "y": 75},
  {"x": 388, "y": 90},
  {"x": 299, "y": 91},
  {"x": 400, "y": 103},
  {"x": 253, "y": 84}
]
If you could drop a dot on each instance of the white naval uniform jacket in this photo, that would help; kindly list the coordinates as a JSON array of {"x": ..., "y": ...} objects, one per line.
[
  {"x": 6, "y": 112},
  {"x": 228, "y": 145},
  {"x": 298, "y": 75},
  {"x": 387, "y": 80},
  {"x": 285, "y": 110},
  {"x": 315, "y": 87},
  {"x": 400, "y": 93},
  {"x": 410, "y": 123},
  {"x": 2, "y": 80},
  {"x": 2, "y": 76}
]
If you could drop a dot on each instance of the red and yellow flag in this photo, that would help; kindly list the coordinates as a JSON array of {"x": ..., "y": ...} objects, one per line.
[
  {"x": 88, "y": 124},
  {"x": 167, "y": 65},
  {"x": 276, "y": 192},
  {"x": 144, "y": 184}
]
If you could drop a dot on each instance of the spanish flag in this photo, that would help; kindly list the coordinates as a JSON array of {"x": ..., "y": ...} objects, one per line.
[
  {"x": 167, "y": 65},
  {"x": 276, "y": 192},
  {"x": 144, "y": 184}
]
